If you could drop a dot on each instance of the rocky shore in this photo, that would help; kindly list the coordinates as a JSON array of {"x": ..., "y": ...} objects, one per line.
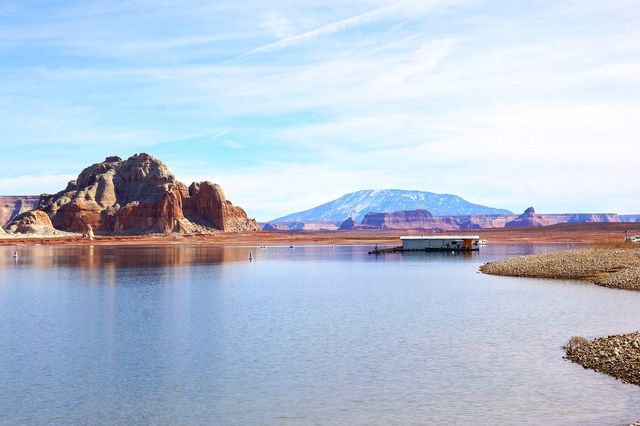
[
  {"x": 617, "y": 356},
  {"x": 609, "y": 267}
]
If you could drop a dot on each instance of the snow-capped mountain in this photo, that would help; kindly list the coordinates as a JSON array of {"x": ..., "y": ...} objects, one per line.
[{"x": 356, "y": 204}]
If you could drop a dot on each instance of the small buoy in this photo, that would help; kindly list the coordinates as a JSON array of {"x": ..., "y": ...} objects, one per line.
[
  {"x": 250, "y": 257},
  {"x": 291, "y": 246},
  {"x": 15, "y": 255}
]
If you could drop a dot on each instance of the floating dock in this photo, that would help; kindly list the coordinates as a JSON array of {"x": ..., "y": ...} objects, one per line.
[{"x": 434, "y": 243}]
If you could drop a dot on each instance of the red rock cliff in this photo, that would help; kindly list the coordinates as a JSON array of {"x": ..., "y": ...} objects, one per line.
[{"x": 139, "y": 196}]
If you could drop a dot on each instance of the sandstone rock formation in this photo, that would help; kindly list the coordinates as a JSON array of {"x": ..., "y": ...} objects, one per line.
[
  {"x": 528, "y": 218},
  {"x": 12, "y": 206},
  {"x": 139, "y": 196},
  {"x": 348, "y": 224},
  {"x": 31, "y": 222}
]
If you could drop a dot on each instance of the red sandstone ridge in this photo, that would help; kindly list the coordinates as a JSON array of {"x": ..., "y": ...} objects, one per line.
[{"x": 140, "y": 196}]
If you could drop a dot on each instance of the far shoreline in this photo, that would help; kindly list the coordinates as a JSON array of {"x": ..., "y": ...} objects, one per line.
[{"x": 566, "y": 233}]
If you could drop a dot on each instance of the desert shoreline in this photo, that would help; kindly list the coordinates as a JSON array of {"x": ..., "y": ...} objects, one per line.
[{"x": 567, "y": 233}]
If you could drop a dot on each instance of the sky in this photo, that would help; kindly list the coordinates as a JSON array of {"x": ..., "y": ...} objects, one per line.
[{"x": 290, "y": 104}]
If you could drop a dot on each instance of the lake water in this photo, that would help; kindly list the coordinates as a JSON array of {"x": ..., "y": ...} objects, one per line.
[{"x": 310, "y": 335}]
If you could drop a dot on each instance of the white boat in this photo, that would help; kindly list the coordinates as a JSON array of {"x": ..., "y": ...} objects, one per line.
[{"x": 482, "y": 242}]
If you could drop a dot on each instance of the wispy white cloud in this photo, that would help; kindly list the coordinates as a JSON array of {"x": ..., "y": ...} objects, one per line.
[
  {"x": 277, "y": 24},
  {"x": 337, "y": 27}
]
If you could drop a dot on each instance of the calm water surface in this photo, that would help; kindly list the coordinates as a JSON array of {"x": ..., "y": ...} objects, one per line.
[{"x": 311, "y": 335}]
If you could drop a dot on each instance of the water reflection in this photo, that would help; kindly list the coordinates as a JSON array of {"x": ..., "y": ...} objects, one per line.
[
  {"x": 108, "y": 257},
  {"x": 105, "y": 257},
  {"x": 304, "y": 335}
]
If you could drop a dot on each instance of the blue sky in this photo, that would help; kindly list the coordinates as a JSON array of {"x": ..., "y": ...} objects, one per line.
[{"x": 288, "y": 104}]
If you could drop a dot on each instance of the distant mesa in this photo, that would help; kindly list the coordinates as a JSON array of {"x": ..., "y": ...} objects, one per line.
[
  {"x": 356, "y": 205},
  {"x": 395, "y": 209},
  {"x": 301, "y": 226},
  {"x": 132, "y": 197},
  {"x": 531, "y": 218},
  {"x": 630, "y": 217},
  {"x": 423, "y": 220},
  {"x": 409, "y": 220}
]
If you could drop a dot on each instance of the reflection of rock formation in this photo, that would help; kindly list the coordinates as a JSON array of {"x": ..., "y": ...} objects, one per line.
[
  {"x": 138, "y": 196},
  {"x": 12, "y": 206},
  {"x": 115, "y": 257}
]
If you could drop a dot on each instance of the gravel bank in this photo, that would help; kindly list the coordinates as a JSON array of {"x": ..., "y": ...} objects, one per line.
[
  {"x": 609, "y": 267},
  {"x": 617, "y": 356}
]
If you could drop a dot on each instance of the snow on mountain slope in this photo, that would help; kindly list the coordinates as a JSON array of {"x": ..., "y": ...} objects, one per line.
[{"x": 357, "y": 204}]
